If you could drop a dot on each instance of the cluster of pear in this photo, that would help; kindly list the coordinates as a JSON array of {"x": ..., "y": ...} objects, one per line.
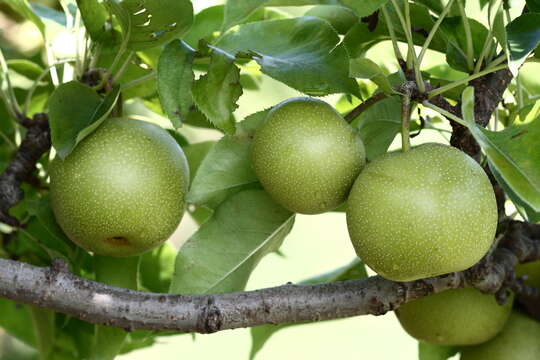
[
  {"x": 425, "y": 212},
  {"x": 410, "y": 215}
]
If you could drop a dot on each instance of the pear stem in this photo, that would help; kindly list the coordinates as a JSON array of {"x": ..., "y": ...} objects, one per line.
[{"x": 405, "y": 119}]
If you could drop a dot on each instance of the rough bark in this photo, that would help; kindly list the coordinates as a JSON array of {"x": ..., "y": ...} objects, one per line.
[
  {"x": 36, "y": 142},
  {"x": 56, "y": 288}
]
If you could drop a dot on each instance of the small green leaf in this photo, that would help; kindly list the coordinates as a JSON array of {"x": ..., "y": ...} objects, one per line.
[
  {"x": 150, "y": 23},
  {"x": 94, "y": 16},
  {"x": 454, "y": 30},
  {"x": 133, "y": 71},
  {"x": 217, "y": 92},
  {"x": 379, "y": 125},
  {"x": 238, "y": 10},
  {"x": 226, "y": 168},
  {"x": 174, "y": 80},
  {"x": 250, "y": 124},
  {"x": 534, "y": 5},
  {"x": 75, "y": 110},
  {"x": 304, "y": 53},
  {"x": 467, "y": 105},
  {"x": 25, "y": 10},
  {"x": 48, "y": 231},
  {"x": 16, "y": 320},
  {"x": 362, "y": 37},
  {"x": 499, "y": 29},
  {"x": 195, "y": 154},
  {"x": 365, "y": 68},
  {"x": 119, "y": 272},
  {"x": 340, "y": 17},
  {"x": 156, "y": 269},
  {"x": 365, "y": 7},
  {"x": 522, "y": 207},
  {"x": 512, "y": 153},
  {"x": 351, "y": 271},
  {"x": 435, "y": 352},
  {"x": 224, "y": 251},
  {"x": 523, "y": 38},
  {"x": 43, "y": 322},
  {"x": 205, "y": 24}
]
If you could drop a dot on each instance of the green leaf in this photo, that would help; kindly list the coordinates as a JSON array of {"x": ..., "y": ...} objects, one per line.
[
  {"x": 467, "y": 105},
  {"x": 435, "y": 352},
  {"x": 226, "y": 168},
  {"x": 195, "y": 154},
  {"x": 174, "y": 80},
  {"x": 132, "y": 72},
  {"x": 94, "y": 16},
  {"x": 340, "y": 17},
  {"x": 221, "y": 255},
  {"x": 523, "y": 208},
  {"x": 523, "y": 37},
  {"x": 205, "y": 24},
  {"x": 499, "y": 29},
  {"x": 454, "y": 30},
  {"x": 365, "y": 7},
  {"x": 16, "y": 320},
  {"x": 119, "y": 272},
  {"x": 379, "y": 125},
  {"x": 217, "y": 92},
  {"x": 43, "y": 322},
  {"x": 351, "y": 271},
  {"x": 365, "y": 68},
  {"x": 48, "y": 231},
  {"x": 238, "y": 10},
  {"x": 534, "y": 5},
  {"x": 75, "y": 111},
  {"x": 25, "y": 10},
  {"x": 156, "y": 269},
  {"x": 361, "y": 37},
  {"x": 250, "y": 124},
  {"x": 150, "y": 23},
  {"x": 512, "y": 152},
  {"x": 303, "y": 53}
]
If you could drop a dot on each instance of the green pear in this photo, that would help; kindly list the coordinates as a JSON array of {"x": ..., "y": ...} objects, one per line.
[
  {"x": 121, "y": 191},
  {"x": 307, "y": 156},
  {"x": 532, "y": 270},
  {"x": 454, "y": 317},
  {"x": 519, "y": 340},
  {"x": 421, "y": 213}
]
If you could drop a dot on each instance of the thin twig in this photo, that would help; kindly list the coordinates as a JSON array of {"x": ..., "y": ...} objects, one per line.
[{"x": 354, "y": 113}]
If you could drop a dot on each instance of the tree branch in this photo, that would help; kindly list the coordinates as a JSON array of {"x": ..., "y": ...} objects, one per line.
[
  {"x": 354, "y": 113},
  {"x": 56, "y": 288},
  {"x": 36, "y": 142}
]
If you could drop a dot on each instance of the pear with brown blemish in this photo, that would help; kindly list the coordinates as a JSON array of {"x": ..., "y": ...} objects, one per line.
[
  {"x": 421, "y": 213},
  {"x": 121, "y": 191}
]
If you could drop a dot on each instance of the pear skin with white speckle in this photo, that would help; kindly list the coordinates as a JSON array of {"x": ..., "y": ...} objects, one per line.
[
  {"x": 307, "y": 156},
  {"x": 422, "y": 213},
  {"x": 519, "y": 340},
  {"x": 454, "y": 317},
  {"x": 121, "y": 191}
]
